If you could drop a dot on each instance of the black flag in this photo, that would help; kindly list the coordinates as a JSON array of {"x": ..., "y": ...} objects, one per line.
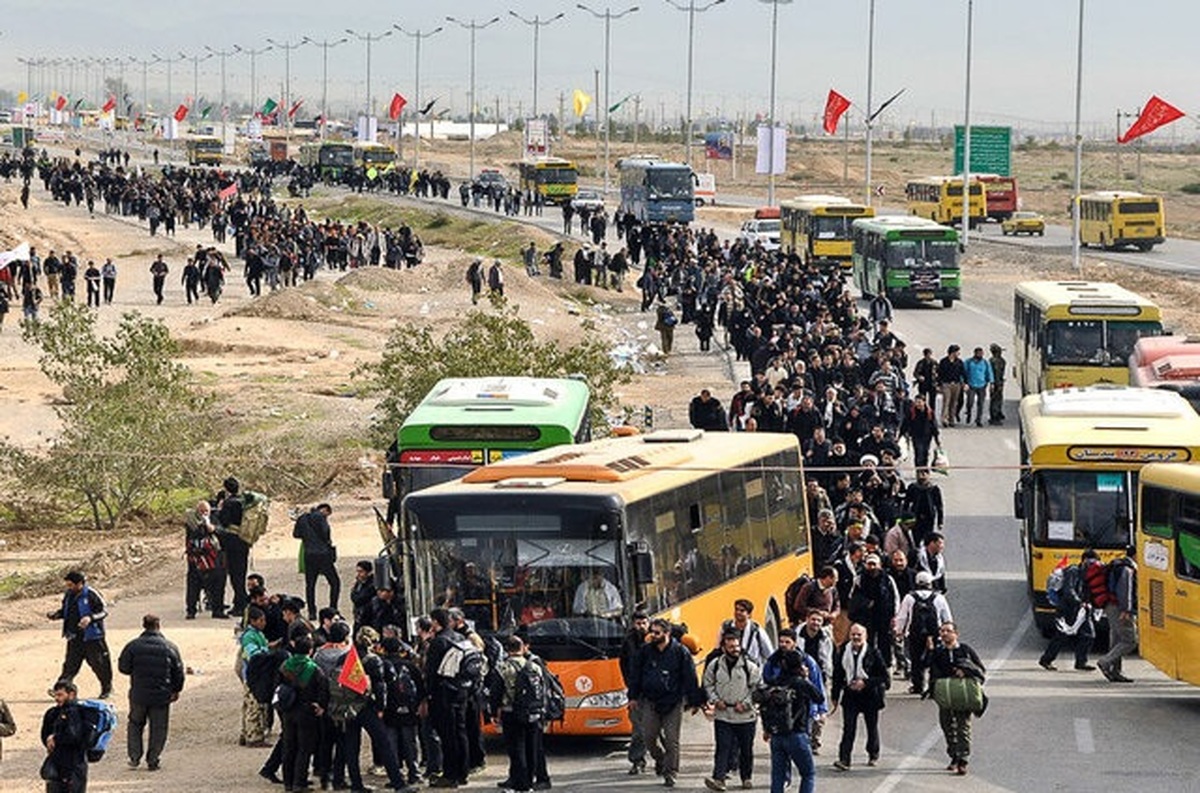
[
  {"x": 893, "y": 98},
  {"x": 425, "y": 110}
]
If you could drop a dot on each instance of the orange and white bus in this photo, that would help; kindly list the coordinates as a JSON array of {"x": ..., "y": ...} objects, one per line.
[{"x": 681, "y": 521}]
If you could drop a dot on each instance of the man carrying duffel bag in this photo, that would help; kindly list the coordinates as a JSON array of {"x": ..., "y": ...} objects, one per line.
[{"x": 956, "y": 682}]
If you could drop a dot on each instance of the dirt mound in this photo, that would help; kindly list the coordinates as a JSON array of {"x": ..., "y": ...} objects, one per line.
[
  {"x": 371, "y": 279},
  {"x": 303, "y": 304}
]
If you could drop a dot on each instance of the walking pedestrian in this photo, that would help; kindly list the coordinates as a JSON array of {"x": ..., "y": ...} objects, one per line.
[
  {"x": 65, "y": 736},
  {"x": 521, "y": 713},
  {"x": 922, "y": 613},
  {"x": 951, "y": 660},
  {"x": 1121, "y": 612},
  {"x": 978, "y": 376},
  {"x": 786, "y": 709},
  {"x": 860, "y": 680},
  {"x": 634, "y": 640},
  {"x": 159, "y": 271},
  {"x": 155, "y": 679},
  {"x": 320, "y": 556},
  {"x": 108, "y": 275},
  {"x": 203, "y": 553},
  {"x": 475, "y": 279},
  {"x": 663, "y": 680},
  {"x": 91, "y": 278},
  {"x": 83, "y": 613},
  {"x": 729, "y": 681},
  {"x": 950, "y": 378},
  {"x": 996, "y": 396},
  {"x": 1073, "y": 622},
  {"x": 301, "y": 722}
]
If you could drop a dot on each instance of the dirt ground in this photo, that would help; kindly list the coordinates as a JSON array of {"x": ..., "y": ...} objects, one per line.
[{"x": 281, "y": 361}]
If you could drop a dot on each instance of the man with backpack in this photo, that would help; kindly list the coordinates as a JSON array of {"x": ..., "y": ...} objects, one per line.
[
  {"x": 230, "y": 511},
  {"x": 448, "y": 693},
  {"x": 1121, "y": 611},
  {"x": 785, "y": 709},
  {"x": 753, "y": 641},
  {"x": 1073, "y": 623},
  {"x": 522, "y": 713},
  {"x": 319, "y": 554},
  {"x": 729, "y": 680},
  {"x": 155, "y": 679},
  {"x": 361, "y": 711},
  {"x": 66, "y": 737},
  {"x": 82, "y": 613},
  {"x": 406, "y": 692},
  {"x": 922, "y": 614},
  {"x": 662, "y": 679},
  {"x": 473, "y": 681}
]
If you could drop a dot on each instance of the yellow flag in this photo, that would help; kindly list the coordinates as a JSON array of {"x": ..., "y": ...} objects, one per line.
[
  {"x": 582, "y": 101},
  {"x": 22, "y": 98}
]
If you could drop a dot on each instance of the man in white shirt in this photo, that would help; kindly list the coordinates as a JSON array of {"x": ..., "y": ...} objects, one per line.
[{"x": 597, "y": 597}]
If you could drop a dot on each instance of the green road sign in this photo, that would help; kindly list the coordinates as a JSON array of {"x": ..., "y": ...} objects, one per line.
[{"x": 991, "y": 150}]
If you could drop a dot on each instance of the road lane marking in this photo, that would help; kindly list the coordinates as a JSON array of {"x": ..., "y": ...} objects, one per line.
[
  {"x": 1084, "y": 742},
  {"x": 926, "y": 746},
  {"x": 1010, "y": 444}
]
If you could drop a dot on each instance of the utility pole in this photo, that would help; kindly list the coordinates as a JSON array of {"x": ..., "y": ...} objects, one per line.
[
  {"x": 223, "y": 54},
  {"x": 145, "y": 64},
  {"x": 692, "y": 9},
  {"x": 608, "y": 16},
  {"x": 771, "y": 143},
  {"x": 537, "y": 23},
  {"x": 418, "y": 35},
  {"x": 286, "y": 106},
  {"x": 254, "y": 53},
  {"x": 472, "y": 26},
  {"x": 368, "y": 38},
  {"x": 195, "y": 59},
  {"x": 325, "y": 46}
]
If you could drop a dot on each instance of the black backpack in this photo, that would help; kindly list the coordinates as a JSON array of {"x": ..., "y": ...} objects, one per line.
[
  {"x": 403, "y": 691},
  {"x": 777, "y": 706},
  {"x": 924, "y": 621},
  {"x": 529, "y": 697},
  {"x": 791, "y": 599},
  {"x": 463, "y": 667}
]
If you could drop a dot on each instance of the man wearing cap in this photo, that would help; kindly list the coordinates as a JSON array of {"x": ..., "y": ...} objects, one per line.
[
  {"x": 978, "y": 377},
  {"x": 873, "y": 605},
  {"x": 917, "y": 630},
  {"x": 320, "y": 555},
  {"x": 996, "y": 403}
]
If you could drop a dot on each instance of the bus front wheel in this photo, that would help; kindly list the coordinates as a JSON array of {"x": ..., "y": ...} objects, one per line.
[
  {"x": 772, "y": 623},
  {"x": 947, "y": 302}
]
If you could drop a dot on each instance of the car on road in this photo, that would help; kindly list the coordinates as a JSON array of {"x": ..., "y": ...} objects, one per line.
[
  {"x": 1024, "y": 223},
  {"x": 491, "y": 179},
  {"x": 591, "y": 200},
  {"x": 763, "y": 230}
]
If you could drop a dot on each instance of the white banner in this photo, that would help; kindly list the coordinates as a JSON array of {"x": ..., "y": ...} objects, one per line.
[
  {"x": 537, "y": 137},
  {"x": 368, "y": 127},
  {"x": 763, "y": 162},
  {"x": 17, "y": 254}
]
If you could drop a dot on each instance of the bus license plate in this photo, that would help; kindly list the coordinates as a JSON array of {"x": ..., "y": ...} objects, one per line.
[{"x": 924, "y": 295}]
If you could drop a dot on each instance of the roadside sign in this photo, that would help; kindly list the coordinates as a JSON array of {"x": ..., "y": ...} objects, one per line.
[{"x": 991, "y": 150}]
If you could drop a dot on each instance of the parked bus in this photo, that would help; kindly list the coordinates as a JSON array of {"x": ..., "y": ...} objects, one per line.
[
  {"x": 906, "y": 258},
  {"x": 329, "y": 158},
  {"x": 556, "y": 180},
  {"x": 1081, "y": 452},
  {"x": 1000, "y": 195},
  {"x": 1168, "y": 577},
  {"x": 683, "y": 522},
  {"x": 1117, "y": 219},
  {"x": 466, "y": 422},
  {"x": 1072, "y": 333},
  {"x": 1168, "y": 362},
  {"x": 939, "y": 198},
  {"x": 374, "y": 155},
  {"x": 205, "y": 150},
  {"x": 654, "y": 191},
  {"x": 817, "y": 228}
]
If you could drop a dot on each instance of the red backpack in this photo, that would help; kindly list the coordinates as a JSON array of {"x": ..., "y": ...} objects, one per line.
[{"x": 1095, "y": 578}]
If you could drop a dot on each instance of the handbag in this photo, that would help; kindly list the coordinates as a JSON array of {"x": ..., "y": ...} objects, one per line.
[
  {"x": 49, "y": 771},
  {"x": 941, "y": 461},
  {"x": 958, "y": 694}
]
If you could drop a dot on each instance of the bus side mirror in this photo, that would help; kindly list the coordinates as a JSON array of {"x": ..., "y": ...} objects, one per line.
[
  {"x": 642, "y": 563},
  {"x": 389, "y": 485},
  {"x": 1019, "y": 496}
]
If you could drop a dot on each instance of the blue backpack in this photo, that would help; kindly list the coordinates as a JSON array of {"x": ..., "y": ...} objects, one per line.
[{"x": 100, "y": 717}]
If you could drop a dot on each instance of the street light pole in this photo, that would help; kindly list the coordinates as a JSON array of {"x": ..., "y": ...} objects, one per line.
[
  {"x": 1075, "y": 254},
  {"x": 417, "y": 35},
  {"x": 145, "y": 64},
  {"x": 472, "y": 26},
  {"x": 537, "y": 23},
  {"x": 195, "y": 59},
  {"x": 367, "y": 37},
  {"x": 870, "y": 194},
  {"x": 169, "y": 62},
  {"x": 771, "y": 139},
  {"x": 223, "y": 54},
  {"x": 254, "y": 53},
  {"x": 692, "y": 9},
  {"x": 325, "y": 46},
  {"x": 966, "y": 171},
  {"x": 608, "y": 16},
  {"x": 287, "y": 47}
]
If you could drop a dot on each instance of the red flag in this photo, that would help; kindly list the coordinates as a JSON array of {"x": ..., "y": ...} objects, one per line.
[
  {"x": 228, "y": 192},
  {"x": 353, "y": 676},
  {"x": 60, "y": 103},
  {"x": 397, "y": 107},
  {"x": 835, "y": 106},
  {"x": 295, "y": 107},
  {"x": 1155, "y": 114},
  {"x": 110, "y": 104},
  {"x": 181, "y": 112}
]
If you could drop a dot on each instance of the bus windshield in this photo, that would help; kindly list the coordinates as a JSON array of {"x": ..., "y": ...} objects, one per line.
[
  {"x": 1083, "y": 508},
  {"x": 922, "y": 253},
  {"x": 1137, "y": 207},
  {"x": 557, "y": 175},
  {"x": 669, "y": 184},
  {"x": 337, "y": 156},
  {"x": 831, "y": 228},
  {"x": 1094, "y": 341}
]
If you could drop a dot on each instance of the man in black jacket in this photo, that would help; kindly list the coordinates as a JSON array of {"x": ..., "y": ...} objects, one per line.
[
  {"x": 447, "y": 704},
  {"x": 320, "y": 556},
  {"x": 860, "y": 679},
  {"x": 785, "y": 709},
  {"x": 635, "y": 640},
  {"x": 65, "y": 736},
  {"x": 663, "y": 678},
  {"x": 155, "y": 679},
  {"x": 237, "y": 550}
]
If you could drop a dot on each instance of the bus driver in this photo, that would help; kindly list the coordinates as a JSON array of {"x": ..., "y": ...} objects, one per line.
[{"x": 597, "y": 597}]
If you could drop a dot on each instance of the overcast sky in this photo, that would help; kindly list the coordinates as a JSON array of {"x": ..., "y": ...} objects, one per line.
[{"x": 1023, "y": 75}]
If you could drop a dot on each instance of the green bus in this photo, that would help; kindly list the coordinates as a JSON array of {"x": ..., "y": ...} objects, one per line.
[
  {"x": 329, "y": 159},
  {"x": 906, "y": 258},
  {"x": 463, "y": 423}
]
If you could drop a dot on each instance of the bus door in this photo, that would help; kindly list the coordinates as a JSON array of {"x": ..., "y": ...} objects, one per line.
[{"x": 1169, "y": 583}]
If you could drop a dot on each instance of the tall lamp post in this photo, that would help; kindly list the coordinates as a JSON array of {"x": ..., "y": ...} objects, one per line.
[
  {"x": 325, "y": 46},
  {"x": 1075, "y": 255},
  {"x": 472, "y": 26},
  {"x": 223, "y": 54},
  {"x": 418, "y": 35},
  {"x": 537, "y": 23},
  {"x": 254, "y": 53},
  {"x": 870, "y": 194},
  {"x": 692, "y": 9},
  {"x": 608, "y": 16},
  {"x": 771, "y": 145},
  {"x": 145, "y": 64},
  {"x": 169, "y": 62},
  {"x": 367, "y": 37},
  {"x": 287, "y": 47},
  {"x": 195, "y": 59}
]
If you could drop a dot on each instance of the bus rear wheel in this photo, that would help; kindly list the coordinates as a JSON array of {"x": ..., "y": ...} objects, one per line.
[
  {"x": 1144, "y": 247},
  {"x": 948, "y": 302}
]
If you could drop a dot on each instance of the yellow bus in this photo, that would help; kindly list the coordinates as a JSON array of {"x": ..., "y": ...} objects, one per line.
[
  {"x": 1074, "y": 333},
  {"x": 681, "y": 521},
  {"x": 1169, "y": 570},
  {"x": 817, "y": 228},
  {"x": 204, "y": 150},
  {"x": 374, "y": 155},
  {"x": 1117, "y": 219},
  {"x": 555, "y": 179},
  {"x": 1081, "y": 452},
  {"x": 939, "y": 198}
]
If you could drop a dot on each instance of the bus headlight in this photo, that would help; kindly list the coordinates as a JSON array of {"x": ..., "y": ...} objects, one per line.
[{"x": 608, "y": 700}]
